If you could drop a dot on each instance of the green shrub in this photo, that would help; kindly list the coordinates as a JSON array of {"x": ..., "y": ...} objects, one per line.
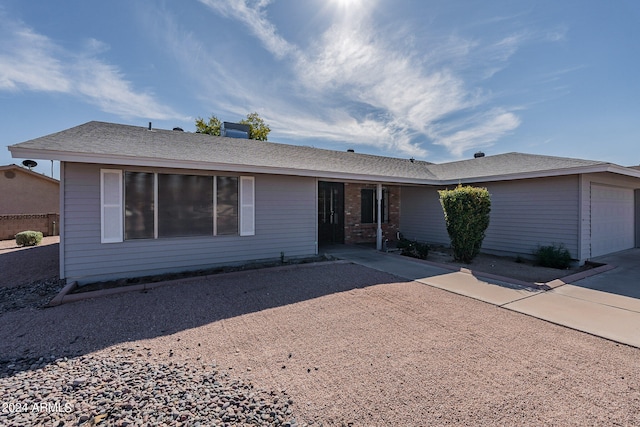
[
  {"x": 466, "y": 213},
  {"x": 553, "y": 256},
  {"x": 28, "y": 238},
  {"x": 413, "y": 248}
]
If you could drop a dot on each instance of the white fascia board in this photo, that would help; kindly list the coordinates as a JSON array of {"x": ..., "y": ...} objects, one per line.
[
  {"x": 624, "y": 171},
  {"x": 547, "y": 173},
  {"x": 109, "y": 159}
]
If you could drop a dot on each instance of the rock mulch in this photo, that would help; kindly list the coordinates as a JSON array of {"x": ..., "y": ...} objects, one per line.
[
  {"x": 126, "y": 387},
  {"x": 36, "y": 294}
]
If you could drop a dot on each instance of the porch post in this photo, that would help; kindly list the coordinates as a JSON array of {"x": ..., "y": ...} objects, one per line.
[{"x": 379, "y": 207}]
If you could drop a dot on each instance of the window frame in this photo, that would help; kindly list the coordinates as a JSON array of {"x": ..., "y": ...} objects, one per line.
[{"x": 116, "y": 212}]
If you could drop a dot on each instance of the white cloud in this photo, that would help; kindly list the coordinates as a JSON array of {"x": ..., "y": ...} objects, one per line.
[
  {"x": 32, "y": 62},
  {"x": 356, "y": 66},
  {"x": 103, "y": 85},
  {"x": 26, "y": 61},
  {"x": 344, "y": 128},
  {"x": 252, "y": 14},
  {"x": 475, "y": 132},
  {"x": 220, "y": 84}
]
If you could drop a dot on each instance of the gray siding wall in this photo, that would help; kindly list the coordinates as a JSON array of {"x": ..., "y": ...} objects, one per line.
[
  {"x": 421, "y": 216},
  {"x": 285, "y": 221},
  {"x": 524, "y": 214}
]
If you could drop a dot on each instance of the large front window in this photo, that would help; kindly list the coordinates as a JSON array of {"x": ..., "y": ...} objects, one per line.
[
  {"x": 185, "y": 205},
  {"x": 175, "y": 205}
]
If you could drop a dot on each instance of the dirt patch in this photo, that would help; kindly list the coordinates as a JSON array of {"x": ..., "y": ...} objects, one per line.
[
  {"x": 516, "y": 268},
  {"x": 111, "y": 284}
]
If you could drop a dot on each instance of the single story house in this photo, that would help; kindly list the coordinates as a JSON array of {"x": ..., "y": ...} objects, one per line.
[
  {"x": 28, "y": 201},
  {"x": 137, "y": 201}
]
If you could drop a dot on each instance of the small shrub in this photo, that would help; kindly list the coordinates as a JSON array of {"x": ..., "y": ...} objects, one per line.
[
  {"x": 466, "y": 214},
  {"x": 28, "y": 238},
  {"x": 413, "y": 249},
  {"x": 553, "y": 256}
]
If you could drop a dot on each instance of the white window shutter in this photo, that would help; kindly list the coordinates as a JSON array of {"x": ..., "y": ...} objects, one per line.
[
  {"x": 247, "y": 206},
  {"x": 111, "y": 205}
]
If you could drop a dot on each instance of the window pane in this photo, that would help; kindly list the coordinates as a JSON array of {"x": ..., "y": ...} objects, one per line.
[
  {"x": 367, "y": 206},
  {"x": 185, "y": 205},
  {"x": 138, "y": 210},
  {"x": 227, "y": 205}
]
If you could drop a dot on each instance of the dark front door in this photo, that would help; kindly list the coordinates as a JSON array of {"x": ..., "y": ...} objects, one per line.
[{"x": 330, "y": 212}]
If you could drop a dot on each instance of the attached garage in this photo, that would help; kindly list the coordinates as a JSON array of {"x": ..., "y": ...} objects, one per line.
[{"x": 612, "y": 219}]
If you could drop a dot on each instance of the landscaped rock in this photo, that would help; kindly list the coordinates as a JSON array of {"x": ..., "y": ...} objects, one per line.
[{"x": 123, "y": 390}]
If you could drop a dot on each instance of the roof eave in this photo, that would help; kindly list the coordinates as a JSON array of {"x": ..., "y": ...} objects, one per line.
[
  {"x": 30, "y": 172},
  {"x": 21, "y": 152},
  {"x": 25, "y": 152},
  {"x": 604, "y": 167}
]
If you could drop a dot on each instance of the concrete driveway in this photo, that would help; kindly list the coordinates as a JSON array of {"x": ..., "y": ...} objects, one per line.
[
  {"x": 622, "y": 280},
  {"x": 584, "y": 306}
]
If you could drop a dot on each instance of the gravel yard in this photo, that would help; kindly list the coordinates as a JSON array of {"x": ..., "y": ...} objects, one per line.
[{"x": 326, "y": 344}]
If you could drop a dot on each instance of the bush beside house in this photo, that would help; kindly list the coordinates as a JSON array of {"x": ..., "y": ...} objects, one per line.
[
  {"x": 554, "y": 256},
  {"x": 466, "y": 213}
]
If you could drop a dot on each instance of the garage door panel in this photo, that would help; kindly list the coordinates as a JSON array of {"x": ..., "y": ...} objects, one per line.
[{"x": 612, "y": 219}]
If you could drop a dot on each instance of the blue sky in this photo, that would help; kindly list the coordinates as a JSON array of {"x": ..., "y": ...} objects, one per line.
[{"x": 434, "y": 80}]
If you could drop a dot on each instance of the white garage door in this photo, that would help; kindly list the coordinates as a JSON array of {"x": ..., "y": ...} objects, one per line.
[{"x": 612, "y": 219}]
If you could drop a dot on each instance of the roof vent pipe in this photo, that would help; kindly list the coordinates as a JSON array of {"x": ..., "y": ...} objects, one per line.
[
  {"x": 351, "y": 150},
  {"x": 478, "y": 154},
  {"x": 149, "y": 125}
]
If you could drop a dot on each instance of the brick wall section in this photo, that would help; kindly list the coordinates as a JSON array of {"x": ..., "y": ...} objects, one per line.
[
  {"x": 10, "y": 225},
  {"x": 354, "y": 230}
]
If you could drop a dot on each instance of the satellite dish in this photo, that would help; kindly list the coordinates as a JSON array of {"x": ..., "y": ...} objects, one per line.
[{"x": 29, "y": 163}]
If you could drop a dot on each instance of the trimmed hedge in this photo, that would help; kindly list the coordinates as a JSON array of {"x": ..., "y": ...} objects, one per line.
[
  {"x": 28, "y": 238},
  {"x": 466, "y": 213}
]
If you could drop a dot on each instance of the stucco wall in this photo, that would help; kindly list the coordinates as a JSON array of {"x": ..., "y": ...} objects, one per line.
[
  {"x": 47, "y": 224},
  {"x": 22, "y": 192}
]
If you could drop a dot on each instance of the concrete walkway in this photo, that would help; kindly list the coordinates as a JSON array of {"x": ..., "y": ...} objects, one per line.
[{"x": 612, "y": 316}]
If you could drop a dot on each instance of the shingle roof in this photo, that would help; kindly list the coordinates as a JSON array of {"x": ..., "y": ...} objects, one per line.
[
  {"x": 107, "y": 139},
  {"x": 108, "y": 142},
  {"x": 506, "y": 164}
]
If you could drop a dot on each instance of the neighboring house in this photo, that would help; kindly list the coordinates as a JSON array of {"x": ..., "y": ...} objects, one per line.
[
  {"x": 28, "y": 201},
  {"x": 138, "y": 201}
]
